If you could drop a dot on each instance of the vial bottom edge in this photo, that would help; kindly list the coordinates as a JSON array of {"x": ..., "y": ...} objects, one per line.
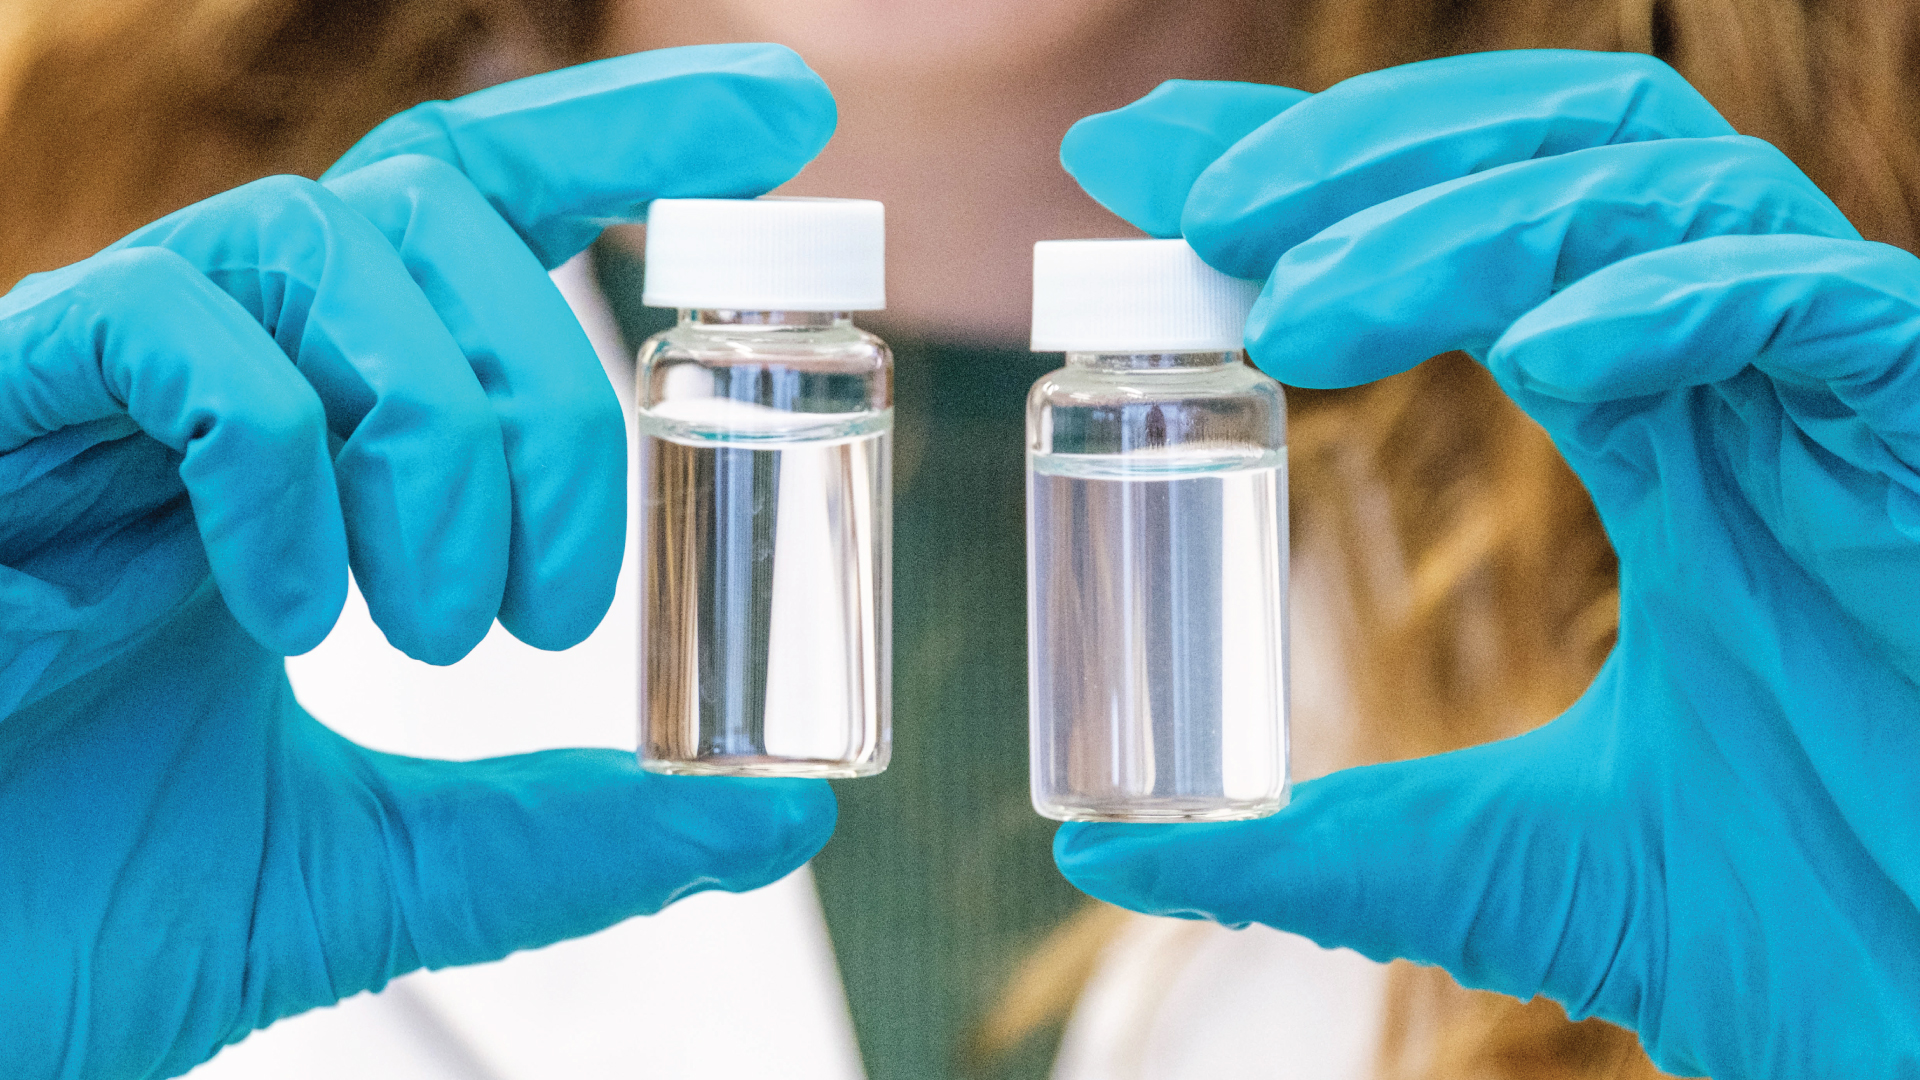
[
  {"x": 753, "y": 765},
  {"x": 1164, "y": 813}
]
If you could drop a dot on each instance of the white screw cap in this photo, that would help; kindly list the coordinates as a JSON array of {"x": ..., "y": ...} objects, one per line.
[
  {"x": 773, "y": 253},
  {"x": 1134, "y": 296}
]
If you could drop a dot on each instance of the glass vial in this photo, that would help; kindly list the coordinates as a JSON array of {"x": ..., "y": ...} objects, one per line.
[
  {"x": 765, "y": 491},
  {"x": 1156, "y": 542}
]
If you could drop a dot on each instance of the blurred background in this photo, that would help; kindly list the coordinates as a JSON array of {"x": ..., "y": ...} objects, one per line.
[{"x": 1451, "y": 584}]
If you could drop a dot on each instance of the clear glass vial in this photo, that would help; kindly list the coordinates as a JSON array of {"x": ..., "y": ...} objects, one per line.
[
  {"x": 765, "y": 491},
  {"x": 1156, "y": 543}
]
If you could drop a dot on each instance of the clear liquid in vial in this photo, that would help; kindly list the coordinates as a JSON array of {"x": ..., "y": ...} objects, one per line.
[
  {"x": 765, "y": 607},
  {"x": 1157, "y": 634}
]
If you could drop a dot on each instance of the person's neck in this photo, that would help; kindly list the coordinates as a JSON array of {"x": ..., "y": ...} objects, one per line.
[{"x": 952, "y": 115}]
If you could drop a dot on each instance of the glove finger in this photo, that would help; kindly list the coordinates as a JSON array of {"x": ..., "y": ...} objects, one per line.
[
  {"x": 140, "y": 334},
  {"x": 560, "y": 423},
  {"x": 1452, "y": 266},
  {"x": 421, "y": 470},
  {"x": 1384, "y": 134},
  {"x": 1806, "y": 351},
  {"x": 486, "y": 858},
  {"x": 562, "y": 155},
  {"x": 1140, "y": 160},
  {"x": 1809, "y": 310},
  {"x": 1467, "y": 860}
]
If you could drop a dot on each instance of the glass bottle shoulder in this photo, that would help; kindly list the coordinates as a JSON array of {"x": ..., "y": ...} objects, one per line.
[
  {"x": 1079, "y": 385},
  {"x": 764, "y": 384},
  {"x": 1229, "y": 414},
  {"x": 841, "y": 347}
]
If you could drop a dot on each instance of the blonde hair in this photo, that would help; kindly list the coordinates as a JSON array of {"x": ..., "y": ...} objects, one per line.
[{"x": 116, "y": 112}]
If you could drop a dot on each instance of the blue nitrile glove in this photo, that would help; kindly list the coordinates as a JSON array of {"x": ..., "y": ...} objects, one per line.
[
  {"x": 202, "y": 427},
  {"x": 1719, "y": 844}
]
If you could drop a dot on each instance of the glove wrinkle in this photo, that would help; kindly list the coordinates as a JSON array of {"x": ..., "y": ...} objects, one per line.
[
  {"x": 1386, "y": 134},
  {"x": 703, "y": 120},
  {"x": 560, "y": 424}
]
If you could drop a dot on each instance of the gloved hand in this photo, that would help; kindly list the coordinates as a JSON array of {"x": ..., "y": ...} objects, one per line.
[
  {"x": 1718, "y": 846},
  {"x": 202, "y": 427}
]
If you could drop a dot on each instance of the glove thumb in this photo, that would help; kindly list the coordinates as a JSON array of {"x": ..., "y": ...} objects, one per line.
[
  {"x": 1476, "y": 861},
  {"x": 471, "y": 861},
  {"x": 520, "y": 852}
]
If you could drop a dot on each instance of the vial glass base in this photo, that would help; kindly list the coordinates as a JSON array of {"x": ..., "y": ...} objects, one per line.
[
  {"x": 1147, "y": 811},
  {"x": 765, "y": 606},
  {"x": 1157, "y": 639},
  {"x": 744, "y": 765}
]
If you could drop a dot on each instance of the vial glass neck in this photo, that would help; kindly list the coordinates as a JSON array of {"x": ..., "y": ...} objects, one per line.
[
  {"x": 1169, "y": 361},
  {"x": 747, "y": 320}
]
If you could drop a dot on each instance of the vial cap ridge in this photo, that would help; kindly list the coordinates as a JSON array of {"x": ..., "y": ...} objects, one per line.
[
  {"x": 773, "y": 253},
  {"x": 1134, "y": 296}
]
